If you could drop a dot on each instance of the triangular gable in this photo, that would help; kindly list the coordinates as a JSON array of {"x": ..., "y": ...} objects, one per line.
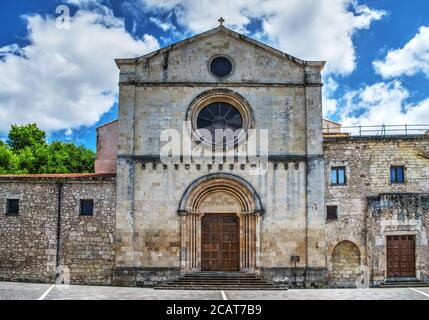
[{"x": 231, "y": 33}]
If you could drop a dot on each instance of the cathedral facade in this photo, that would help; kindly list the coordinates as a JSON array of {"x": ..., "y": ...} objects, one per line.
[{"x": 277, "y": 196}]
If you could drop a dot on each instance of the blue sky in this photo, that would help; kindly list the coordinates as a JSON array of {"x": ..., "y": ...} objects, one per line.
[{"x": 65, "y": 80}]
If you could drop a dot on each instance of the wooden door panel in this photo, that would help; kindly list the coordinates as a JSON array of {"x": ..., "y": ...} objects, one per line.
[
  {"x": 220, "y": 242},
  {"x": 401, "y": 257}
]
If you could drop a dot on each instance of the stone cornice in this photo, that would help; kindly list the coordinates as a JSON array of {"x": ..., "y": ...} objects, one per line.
[
  {"x": 218, "y": 84},
  {"x": 271, "y": 158}
]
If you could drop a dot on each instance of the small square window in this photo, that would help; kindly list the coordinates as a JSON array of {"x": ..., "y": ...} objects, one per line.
[
  {"x": 12, "y": 207},
  {"x": 397, "y": 174},
  {"x": 338, "y": 175},
  {"x": 86, "y": 207},
  {"x": 332, "y": 212}
]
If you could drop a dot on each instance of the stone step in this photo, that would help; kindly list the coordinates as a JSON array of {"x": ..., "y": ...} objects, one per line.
[
  {"x": 203, "y": 279},
  {"x": 220, "y": 281},
  {"x": 403, "y": 285},
  {"x": 222, "y": 275},
  {"x": 207, "y": 276},
  {"x": 229, "y": 288},
  {"x": 219, "y": 284},
  {"x": 218, "y": 287}
]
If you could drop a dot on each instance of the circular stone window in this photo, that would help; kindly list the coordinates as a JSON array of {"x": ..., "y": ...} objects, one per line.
[
  {"x": 220, "y": 118},
  {"x": 221, "y": 66}
]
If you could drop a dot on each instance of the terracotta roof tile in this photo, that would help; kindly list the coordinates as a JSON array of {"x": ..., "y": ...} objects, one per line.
[{"x": 57, "y": 176}]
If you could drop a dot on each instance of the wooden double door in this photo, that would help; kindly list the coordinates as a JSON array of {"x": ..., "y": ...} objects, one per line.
[
  {"x": 401, "y": 256},
  {"x": 220, "y": 247}
]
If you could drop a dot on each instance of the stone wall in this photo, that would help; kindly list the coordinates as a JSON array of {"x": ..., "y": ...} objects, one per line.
[
  {"x": 156, "y": 91},
  {"x": 28, "y": 242},
  {"x": 345, "y": 265},
  {"x": 87, "y": 243},
  {"x": 285, "y": 105},
  {"x": 156, "y": 229},
  {"x": 252, "y": 61},
  {"x": 367, "y": 161},
  {"x": 283, "y": 95},
  {"x": 398, "y": 214}
]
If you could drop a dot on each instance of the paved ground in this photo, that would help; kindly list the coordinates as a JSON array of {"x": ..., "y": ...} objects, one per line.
[{"x": 29, "y": 291}]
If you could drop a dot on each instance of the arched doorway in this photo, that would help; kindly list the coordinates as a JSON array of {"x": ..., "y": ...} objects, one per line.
[
  {"x": 220, "y": 225},
  {"x": 346, "y": 264}
]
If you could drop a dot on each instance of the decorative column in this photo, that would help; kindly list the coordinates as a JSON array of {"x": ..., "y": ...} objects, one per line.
[
  {"x": 249, "y": 242},
  {"x": 190, "y": 253}
]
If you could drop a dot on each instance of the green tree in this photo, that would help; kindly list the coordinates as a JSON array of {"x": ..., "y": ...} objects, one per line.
[
  {"x": 9, "y": 161},
  {"x": 28, "y": 152},
  {"x": 69, "y": 158},
  {"x": 28, "y": 135},
  {"x": 34, "y": 159}
]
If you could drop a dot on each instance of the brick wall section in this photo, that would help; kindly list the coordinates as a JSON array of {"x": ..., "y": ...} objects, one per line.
[
  {"x": 28, "y": 242},
  {"x": 367, "y": 161}
]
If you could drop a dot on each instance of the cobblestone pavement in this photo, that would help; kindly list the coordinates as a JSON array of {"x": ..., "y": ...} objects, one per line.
[{"x": 29, "y": 291}]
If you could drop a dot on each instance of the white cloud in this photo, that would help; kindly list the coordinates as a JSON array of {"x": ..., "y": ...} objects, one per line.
[
  {"x": 165, "y": 26},
  {"x": 308, "y": 29},
  {"x": 409, "y": 60},
  {"x": 13, "y": 48},
  {"x": 85, "y": 3},
  {"x": 330, "y": 104},
  {"x": 65, "y": 78},
  {"x": 382, "y": 103}
]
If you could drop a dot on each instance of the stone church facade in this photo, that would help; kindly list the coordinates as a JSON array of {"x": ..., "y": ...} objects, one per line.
[{"x": 324, "y": 210}]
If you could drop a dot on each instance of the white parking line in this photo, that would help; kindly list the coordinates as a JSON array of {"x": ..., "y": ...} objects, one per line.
[
  {"x": 43, "y": 296},
  {"x": 423, "y": 293},
  {"x": 223, "y": 295}
]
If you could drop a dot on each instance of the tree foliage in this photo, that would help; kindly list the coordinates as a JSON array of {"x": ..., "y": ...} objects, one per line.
[
  {"x": 21, "y": 137},
  {"x": 27, "y": 151}
]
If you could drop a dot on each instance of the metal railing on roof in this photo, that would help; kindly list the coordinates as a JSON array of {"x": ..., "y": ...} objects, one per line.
[{"x": 378, "y": 130}]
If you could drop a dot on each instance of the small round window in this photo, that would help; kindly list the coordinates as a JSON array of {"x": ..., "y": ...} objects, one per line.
[
  {"x": 220, "y": 116},
  {"x": 221, "y": 66}
]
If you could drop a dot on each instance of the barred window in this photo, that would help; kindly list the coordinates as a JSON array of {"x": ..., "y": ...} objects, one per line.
[
  {"x": 332, "y": 212},
  {"x": 87, "y": 207}
]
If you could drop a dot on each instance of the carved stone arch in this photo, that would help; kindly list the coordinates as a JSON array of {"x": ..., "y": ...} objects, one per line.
[
  {"x": 236, "y": 186},
  {"x": 223, "y": 193}
]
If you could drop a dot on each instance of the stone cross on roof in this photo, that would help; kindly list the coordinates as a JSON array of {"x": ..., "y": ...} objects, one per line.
[{"x": 221, "y": 21}]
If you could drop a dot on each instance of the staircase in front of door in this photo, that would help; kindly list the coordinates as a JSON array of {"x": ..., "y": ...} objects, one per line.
[{"x": 212, "y": 280}]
